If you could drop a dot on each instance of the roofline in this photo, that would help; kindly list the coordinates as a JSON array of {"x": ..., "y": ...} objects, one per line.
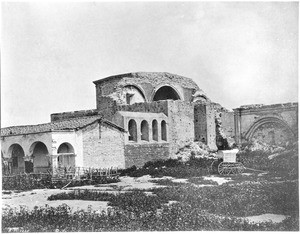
[
  {"x": 119, "y": 76},
  {"x": 29, "y": 133},
  {"x": 114, "y": 125}
]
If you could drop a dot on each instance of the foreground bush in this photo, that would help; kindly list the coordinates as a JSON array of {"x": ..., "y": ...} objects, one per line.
[
  {"x": 135, "y": 201},
  {"x": 26, "y": 182},
  {"x": 245, "y": 199},
  {"x": 177, "y": 217},
  {"x": 172, "y": 167},
  {"x": 238, "y": 200},
  {"x": 284, "y": 163}
]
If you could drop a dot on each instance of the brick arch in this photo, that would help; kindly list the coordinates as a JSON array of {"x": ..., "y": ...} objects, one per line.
[
  {"x": 139, "y": 88},
  {"x": 250, "y": 132},
  {"x": 168, "y": 86}
]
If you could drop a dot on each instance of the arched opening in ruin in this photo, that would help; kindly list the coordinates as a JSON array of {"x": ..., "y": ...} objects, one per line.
[
  {"x": 154, "y": 130},
  {"x": 17, "y": 155},
  {"x": 132, "y": 129},
  {"x": 40, "y": 155},
  {"x": 270, "y": 130},
  {"x": 166, "y": 93},
  {"x": 163, "y": 130},
  {"x": 133, "y": 94},
  {"x": 145, "y": 131},
  {"x": 66, "y": 156}
]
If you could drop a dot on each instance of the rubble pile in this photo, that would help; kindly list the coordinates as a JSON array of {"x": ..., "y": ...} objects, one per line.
[
  {"x": 196, "y": 149},
  {"x": 262, "y": 146}
]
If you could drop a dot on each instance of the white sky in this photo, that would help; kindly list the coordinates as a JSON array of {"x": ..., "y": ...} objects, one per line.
[{"x": 238, "y": 53}]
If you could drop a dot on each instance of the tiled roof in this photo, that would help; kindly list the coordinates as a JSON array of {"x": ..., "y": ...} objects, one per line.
[{"x": 68, "y": 124}]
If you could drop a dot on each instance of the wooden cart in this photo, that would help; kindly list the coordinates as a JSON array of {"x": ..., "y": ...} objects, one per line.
[{"x": 226, "y": 163}]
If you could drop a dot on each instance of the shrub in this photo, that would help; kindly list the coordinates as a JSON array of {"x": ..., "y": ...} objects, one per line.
[{"x": 177, "y": 217}]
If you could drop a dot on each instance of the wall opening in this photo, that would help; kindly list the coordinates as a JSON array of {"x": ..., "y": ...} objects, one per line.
[
  {"x": 132, "y": 129},
  {"x": 154, "y": 130},
  {"x": 163, "y": 130},
  {"x": 17, "y": 158},
  {"x": 165, "y": 93},
  {"x": 133, "y": 95},
  {"x": 41, "y": 159},
  {"x": 145, "y": 131},
  {"x": 66, "y": 156}
]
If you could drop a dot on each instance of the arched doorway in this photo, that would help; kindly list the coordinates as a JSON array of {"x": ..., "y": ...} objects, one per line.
[
  {"x": 165, "y": 93},
  {"x": 132, "y": 129},
  {"x": 40, "y": 155},
  {"x": 163, "y": 130},
  {"x": 145, "y": 131},
  {"x": 154, "y": 130},
  {"x": 16, "y": 154},
  {"x": 66, "y": 156}
]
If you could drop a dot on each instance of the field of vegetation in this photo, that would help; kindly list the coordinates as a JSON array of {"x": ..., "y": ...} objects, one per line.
[{"x": 198, "y": 204}]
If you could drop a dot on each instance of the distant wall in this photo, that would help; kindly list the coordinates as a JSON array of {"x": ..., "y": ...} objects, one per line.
[{"x": 276, "y": 124}]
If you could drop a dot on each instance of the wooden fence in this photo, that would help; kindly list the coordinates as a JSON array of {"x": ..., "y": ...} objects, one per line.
[
  {"x": 83, "y": 173},
  {"x": 61, "y": 174}
]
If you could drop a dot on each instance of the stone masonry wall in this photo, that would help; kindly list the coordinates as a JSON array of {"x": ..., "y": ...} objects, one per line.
[
  {"x": 139, "y": 154},
  {"x": 211, "y": 127},
  {"x": 103, "y": 147},
  {"x": 227, "y": 119},
  {"x": 73, "y": 114},
  {"x": 200, "y": 124},
  {"x": 181, "y": 125}
]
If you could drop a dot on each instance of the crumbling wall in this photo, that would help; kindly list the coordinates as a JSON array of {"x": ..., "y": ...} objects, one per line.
[
  {"x": 200, "y": 123},
  {"x": 272, "y": 124},
  {"x": 73, "y": 114},
  {"x": 146, "y": 82},
  {"x": 139, "y": 154},
  {"x": 181, "y": 124}
]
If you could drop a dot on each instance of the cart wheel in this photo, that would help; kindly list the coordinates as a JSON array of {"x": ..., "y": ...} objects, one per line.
[
  {"x": 214, "y": 166},
  {"x": 223, "y": 168}
]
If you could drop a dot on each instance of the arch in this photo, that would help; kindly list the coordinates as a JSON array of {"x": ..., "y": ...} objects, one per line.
[
  {"x": 16, "y": 153},
  {"x": 145, "y": 130},
  {"x": 66, "y": 156},
  {"x": 163, "y": 130},
  {"x": 134, "y": 94},
  {"x": 65, "y": 148},
  {"x": 155, "y": 130},
  {"x": 41, "y": 159},
  {"x": 165, "y": 92},
  {"x": 132, "y": 129},
  {"x": 268, "y": 120}
]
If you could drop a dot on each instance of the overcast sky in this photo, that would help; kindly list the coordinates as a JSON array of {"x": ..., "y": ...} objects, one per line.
[{"x": 238, "y": 53}]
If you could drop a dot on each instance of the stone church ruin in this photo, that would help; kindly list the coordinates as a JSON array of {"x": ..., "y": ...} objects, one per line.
[{"x": 140, "y": 117}]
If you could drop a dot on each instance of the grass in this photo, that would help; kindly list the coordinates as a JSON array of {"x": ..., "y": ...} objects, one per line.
[{"x": 218, "y": 207}]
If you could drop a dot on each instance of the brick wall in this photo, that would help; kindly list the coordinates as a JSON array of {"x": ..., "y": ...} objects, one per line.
[
  {"x": 103, "y": 146},
  {"x": 139, "y": 154}
]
